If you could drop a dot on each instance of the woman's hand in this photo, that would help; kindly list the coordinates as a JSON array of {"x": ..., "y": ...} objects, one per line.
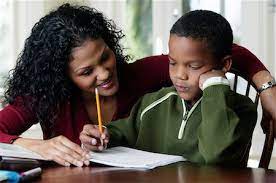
[
  {"x": 92, "y": 139},
  {"x": 268, "y": 101},
  {"x": 59, "y": 149}
]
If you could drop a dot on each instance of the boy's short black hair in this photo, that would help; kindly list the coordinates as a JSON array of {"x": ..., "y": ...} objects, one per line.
[{"x": 207, "y": 26}]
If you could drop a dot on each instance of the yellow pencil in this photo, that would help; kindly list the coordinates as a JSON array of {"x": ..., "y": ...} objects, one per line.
[{"x": 99, "y": 111}]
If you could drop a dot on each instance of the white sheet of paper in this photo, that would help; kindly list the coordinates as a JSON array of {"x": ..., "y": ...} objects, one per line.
[
  {"x": 133, "y": 158},
  {"x": 11, "y": 150}
]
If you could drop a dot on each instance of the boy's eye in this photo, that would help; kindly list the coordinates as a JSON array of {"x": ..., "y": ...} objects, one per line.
[{"x": 195, "y": 66}]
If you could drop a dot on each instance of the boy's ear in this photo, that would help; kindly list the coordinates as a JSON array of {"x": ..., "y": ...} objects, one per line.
[{"x": 226, "y": 63}]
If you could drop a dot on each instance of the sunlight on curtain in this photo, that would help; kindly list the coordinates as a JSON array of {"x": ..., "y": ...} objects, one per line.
[
  {"x": 139, "y": 28},
  {"x": 6, "y": 38},
  {"x": 231, "y": 10},
  {"x": 6, "y": 42}
]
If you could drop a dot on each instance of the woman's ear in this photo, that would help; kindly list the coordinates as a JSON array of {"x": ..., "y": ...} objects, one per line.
[{"x": 226, "y": 63}]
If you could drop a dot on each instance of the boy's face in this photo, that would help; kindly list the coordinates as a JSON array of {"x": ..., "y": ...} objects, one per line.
[{"x": 189, "y": 58}]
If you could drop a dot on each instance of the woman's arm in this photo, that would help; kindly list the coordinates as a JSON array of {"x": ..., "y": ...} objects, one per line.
[
  {"x": 268, "y": 96},
  {"x": 246, "y": 62},
  {"x": 252, "y": 68},
  {"x": 59, "y": 149},
  {"x": 15, "y": 119}
]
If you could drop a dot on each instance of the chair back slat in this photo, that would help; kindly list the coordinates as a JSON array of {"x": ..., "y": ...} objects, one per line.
[
  {"x": 247, "y": 89},
  {"x": 235, "y": 83},
  {"x": 268, "y": 147},
  {"x": 256, "y": 100},
  {"x": 269, "y": 138}
]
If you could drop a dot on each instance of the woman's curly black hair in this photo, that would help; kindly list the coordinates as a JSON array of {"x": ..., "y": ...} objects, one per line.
[{"x": 40, "y": 76}]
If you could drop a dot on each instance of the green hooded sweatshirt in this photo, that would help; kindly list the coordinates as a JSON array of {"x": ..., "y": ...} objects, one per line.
[{"x": 216, "y": 130}]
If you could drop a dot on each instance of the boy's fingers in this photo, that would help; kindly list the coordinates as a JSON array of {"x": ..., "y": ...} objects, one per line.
[
  {"x": 100, "y": 148},
  {"x": 90, "y": 147},
  {"x": 105, "y": 134},
  {"x": 106, "y": 141},
  {"x": 93, "y": 141},
  {"x": 85, "y": 139},
  {"x": 91, "y": 130}
]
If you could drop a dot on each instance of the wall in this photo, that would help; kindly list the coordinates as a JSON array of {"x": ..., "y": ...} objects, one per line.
[{"x": 258, "y": 30}]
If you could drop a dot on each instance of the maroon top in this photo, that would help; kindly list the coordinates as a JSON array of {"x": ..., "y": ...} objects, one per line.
[{"x": 136, "y": 79}]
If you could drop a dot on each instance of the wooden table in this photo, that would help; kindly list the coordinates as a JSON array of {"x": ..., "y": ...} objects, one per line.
[{"x": 179, "y": 172}]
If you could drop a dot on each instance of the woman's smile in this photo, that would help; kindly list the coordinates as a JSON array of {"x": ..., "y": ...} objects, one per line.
[{"x": 107, "y": 84}]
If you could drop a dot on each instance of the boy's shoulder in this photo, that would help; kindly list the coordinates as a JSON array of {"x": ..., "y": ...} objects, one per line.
[
  {"x": 236, "y": 100},
  {"x": 162, "y": 94},
  {"x": 233, "y": 96},
  {"x": 160, "y": 98},
  {"x": 241, "y": 100}
]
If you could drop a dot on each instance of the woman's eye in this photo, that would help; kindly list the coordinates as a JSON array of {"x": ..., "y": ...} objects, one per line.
[
  {"x": 172, "y": 63},
  {"x": 87, "y": 72},
  {"x": 104, "y": 56}
]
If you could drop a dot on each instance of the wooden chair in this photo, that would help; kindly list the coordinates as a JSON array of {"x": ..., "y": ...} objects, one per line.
[{"x": 236, "y": 79}]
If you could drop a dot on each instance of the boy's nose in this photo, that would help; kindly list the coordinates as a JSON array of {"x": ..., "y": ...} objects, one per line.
[{"x": 181, "y": 74}]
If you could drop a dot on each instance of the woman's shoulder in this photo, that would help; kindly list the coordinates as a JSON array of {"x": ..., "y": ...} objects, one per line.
[
  {"x": 147, "y": 74},
  {"x": 149, "y": 63},
  {"x": 160, "y": 95}
]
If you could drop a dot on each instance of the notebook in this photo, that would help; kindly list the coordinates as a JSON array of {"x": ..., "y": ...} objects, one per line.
[
  {"x": 117, "y": 156},
  {"x": 11, "y": 150},
  {"x": 133, "y": 158}
]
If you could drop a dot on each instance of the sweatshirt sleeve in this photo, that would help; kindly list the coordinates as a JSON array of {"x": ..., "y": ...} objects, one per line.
[
  {"x": 228, "y": 121},
  {"x": 125, "y": 131},
  {"x": 14, "y": 120},
  {"x": 245, "y": 62}
]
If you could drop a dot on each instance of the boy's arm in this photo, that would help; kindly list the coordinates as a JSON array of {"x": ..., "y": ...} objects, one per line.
[
  {"x": 228, "y": 121},
  {"x": 125, "y": 131},
  {"x": 116, "y": 133}
]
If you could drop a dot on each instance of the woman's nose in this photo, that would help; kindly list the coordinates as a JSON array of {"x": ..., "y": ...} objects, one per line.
[{"x": 102, "y": 73}]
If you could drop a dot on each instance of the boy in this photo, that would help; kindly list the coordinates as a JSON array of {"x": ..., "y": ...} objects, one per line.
[{"x": 199, "y": 117}]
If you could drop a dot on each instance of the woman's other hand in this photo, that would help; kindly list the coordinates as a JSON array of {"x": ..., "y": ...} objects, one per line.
[{"x": 59, "y": 149}]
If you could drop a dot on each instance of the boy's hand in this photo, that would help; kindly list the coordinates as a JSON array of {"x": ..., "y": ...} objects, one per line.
[
  {"x": 206, "y": 75},
  {"x": 92, "y": 139}
]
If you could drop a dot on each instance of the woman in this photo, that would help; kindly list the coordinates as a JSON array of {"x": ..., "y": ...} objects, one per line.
[{"x": 69, "y": 53}]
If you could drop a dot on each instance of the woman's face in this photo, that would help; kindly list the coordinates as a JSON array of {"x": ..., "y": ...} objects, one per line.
[{"x": 93, "y": 65}]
